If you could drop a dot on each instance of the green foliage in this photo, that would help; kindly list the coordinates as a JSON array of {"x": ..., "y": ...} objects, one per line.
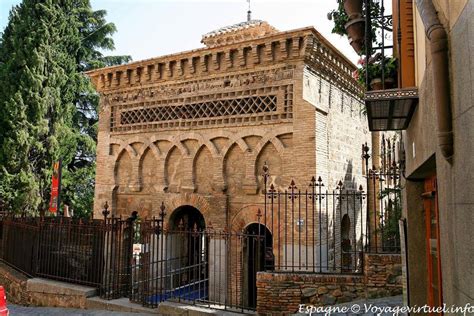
[
  {"x": 391, "y": 230},
  {"x": 48, "y": 106},
  {"x": 375, "y": 69},
  {"x": 340, "y": 18}
]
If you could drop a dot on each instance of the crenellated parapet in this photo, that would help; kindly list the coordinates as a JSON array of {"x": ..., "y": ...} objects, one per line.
[{"x": 231, "y": 56}]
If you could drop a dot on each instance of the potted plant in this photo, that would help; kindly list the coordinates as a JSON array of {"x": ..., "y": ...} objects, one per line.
[
  {"x": 340, "y": 18},
  {"x": 351, "y": 25},
  {"x": 377, "y": 69},
  {"x": 353, "y": 7},
  {"x": 349, "y": 20},
  {"x": 356, "y": 33}
]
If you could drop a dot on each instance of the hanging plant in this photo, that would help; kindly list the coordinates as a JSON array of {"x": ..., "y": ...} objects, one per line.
[
  {"x": 375, "y": 70},
  {"x": 353, "y": 7},
  {"x": 349, "y": 21},
  {"x": 340, "y": 18}
]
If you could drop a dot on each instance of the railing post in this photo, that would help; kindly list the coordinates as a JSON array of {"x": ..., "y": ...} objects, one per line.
[
  {"x": 368, "y": 41},
  {"x": 161, "y": 237},
  {"x": 128, "y": 256},
  {"x": 265, "y": 179},
  {"x": 366, "y": 156}
]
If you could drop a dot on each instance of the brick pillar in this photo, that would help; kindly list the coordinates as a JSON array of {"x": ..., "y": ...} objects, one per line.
[
  {"x": 244, "y": 56},
  {"x": 268, "y": 52},
  {"x": 117, "y": 78},
  {"x": 255, "y": 58},
  {"x": 203, "y": 64},
  {"x": 295, "y": 47},
  {"x": 135, "y": 181},
  {"x": 283, "y": 50},
  {"x": 150, "y": 73},
  {"x": 216, "y": 63},
  {"x": 160, "y": 68},
  {"x": 250, "y": 185},
  {"x": 218, "y": 176},
  {"x": 187, "y": 186},
  {"x": 138, "y": 75}
]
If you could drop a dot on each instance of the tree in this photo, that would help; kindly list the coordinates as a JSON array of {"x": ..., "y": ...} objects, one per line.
[
  {"x": 95, "y": 33},
  {"x": 48, "y": 107}
]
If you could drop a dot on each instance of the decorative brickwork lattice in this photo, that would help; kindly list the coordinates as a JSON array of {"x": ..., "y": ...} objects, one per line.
[
  {"x": 249, "y": 106},
  {"x": 210, "y": 109}
]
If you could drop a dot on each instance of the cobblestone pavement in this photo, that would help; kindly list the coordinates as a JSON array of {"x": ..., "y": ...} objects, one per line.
[
  {"x": 56, "y": 311},
  {"x": 47, "y": 311},
  {"x": 373, "y": 305}
]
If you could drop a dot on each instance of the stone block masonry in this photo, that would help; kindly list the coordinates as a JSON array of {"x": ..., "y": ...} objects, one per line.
[
  {"x": 282, "y": 293},
  {"x": 383, "y": 275},
  {"x": 22, "y": 290}
]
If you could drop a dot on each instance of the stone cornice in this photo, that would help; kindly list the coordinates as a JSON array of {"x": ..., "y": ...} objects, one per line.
[{"x": 281, "y": 47}]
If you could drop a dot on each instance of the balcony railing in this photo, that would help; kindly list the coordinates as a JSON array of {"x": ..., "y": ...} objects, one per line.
[{"x": 390, "y": 103}]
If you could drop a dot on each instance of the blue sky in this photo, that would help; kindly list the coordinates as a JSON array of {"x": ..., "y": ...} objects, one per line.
[{"x": 151, "y": 28}]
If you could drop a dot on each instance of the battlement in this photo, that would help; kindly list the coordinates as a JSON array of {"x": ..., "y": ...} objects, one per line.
[{"x": 304, "y": 44}]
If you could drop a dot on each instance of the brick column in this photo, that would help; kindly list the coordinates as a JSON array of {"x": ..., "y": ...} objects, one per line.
[
  {"x": 187, "y": 186},
  {"x": 250, "y": 185}
]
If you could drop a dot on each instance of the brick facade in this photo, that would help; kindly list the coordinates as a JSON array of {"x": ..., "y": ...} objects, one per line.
[
  {"x": 282, "y": 293},
  {"x": 195, "y": 128}
]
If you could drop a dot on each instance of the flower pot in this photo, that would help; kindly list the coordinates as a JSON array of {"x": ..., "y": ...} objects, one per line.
[
  {"x": 376, "y": 84},
  {"x": 353, "y": 8},
  {"x": 358, "y": 45},
  {"x": 355, "y": 31}
]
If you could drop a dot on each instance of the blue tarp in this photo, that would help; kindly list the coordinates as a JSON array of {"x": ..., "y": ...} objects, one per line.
[{"x": 190, "y": 292}]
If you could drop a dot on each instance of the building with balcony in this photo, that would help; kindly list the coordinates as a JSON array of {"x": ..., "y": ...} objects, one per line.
[{"x": 433, "y": 107}]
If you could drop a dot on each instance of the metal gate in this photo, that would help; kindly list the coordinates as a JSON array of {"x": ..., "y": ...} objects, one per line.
[
  {"x": 190, "y": 265},
  {"x": 302, "y": 228}
]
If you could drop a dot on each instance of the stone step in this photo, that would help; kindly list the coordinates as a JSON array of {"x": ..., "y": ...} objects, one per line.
[
  {"x": 40, "y": 285},
  {"x": 175, "y": 309},
  {"x": 45, "y": 292},
  {"x": 119, "y": 305}
]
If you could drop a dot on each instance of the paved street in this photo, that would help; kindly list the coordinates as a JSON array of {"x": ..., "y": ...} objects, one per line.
[
  {"x": 47, "y": 311},
  {"x": 392, "y": 301},
  {"x": 24, "y": 310}
]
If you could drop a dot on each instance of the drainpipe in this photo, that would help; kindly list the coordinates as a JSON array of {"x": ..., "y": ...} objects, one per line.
[{"x": 440, "y": 60}]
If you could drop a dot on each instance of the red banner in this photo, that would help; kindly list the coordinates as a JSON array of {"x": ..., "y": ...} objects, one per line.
[{"x": 55, "y": 187}]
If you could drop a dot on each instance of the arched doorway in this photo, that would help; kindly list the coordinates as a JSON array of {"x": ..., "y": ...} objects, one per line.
[
  {"x": 189, "y": 251},
  {"x": 346, "y": 245},
  {"x": 187, "y": 217},
  {"x": 257, "y": 251}
]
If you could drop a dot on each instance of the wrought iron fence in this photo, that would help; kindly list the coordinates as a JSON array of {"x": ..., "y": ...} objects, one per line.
[
  {"x": 303, "y": 229},
  {"x": 55, "y": 247},
  {"x": 315, "y": 229},
  {"x": 20, "y": 243},
  {"x": 193, "y": 265},
  {"x": 385, "y": 204}
]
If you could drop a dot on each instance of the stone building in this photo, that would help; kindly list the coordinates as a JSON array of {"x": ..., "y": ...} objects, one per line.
[
  {"x": 436, "y": 71},
  {"x": 439, "y": 201},
  {"x": 194, "y": 129}
]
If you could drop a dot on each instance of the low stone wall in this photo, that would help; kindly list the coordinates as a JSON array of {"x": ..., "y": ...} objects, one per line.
[
  {"x": 383, "y": 275},
  {"x": 282, "y": 293},
  {"x": 14, "y": 284},
  {"x": 41, "y": 292}
]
